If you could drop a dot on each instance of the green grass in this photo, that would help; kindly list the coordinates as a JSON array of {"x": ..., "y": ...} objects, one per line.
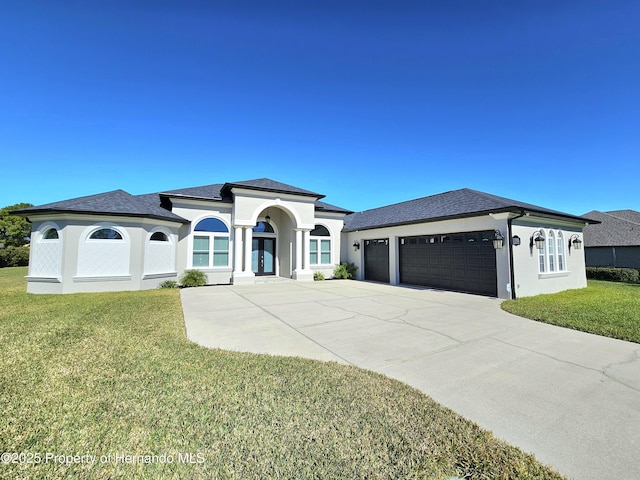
[
  {"x": 604, "y": 308},
  {"x": 113, "y": 373}
]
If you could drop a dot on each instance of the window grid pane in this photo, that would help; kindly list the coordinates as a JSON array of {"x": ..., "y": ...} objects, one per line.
[
  {"x": 551, "y": 254},
  {"x": 325, "y": 249},
  {"x": 560, "y": 252},
  {"x": 541, "y": 257}
]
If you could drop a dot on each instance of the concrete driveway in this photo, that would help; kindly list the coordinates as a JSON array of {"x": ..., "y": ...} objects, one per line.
[{"x": 570, "y": 398}]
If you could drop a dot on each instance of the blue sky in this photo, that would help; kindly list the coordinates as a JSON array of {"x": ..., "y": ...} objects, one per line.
[{"x": 368, "y": 102}]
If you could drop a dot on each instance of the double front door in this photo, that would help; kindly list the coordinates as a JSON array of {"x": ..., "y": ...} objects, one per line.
[{"x": 263, "y": 256}]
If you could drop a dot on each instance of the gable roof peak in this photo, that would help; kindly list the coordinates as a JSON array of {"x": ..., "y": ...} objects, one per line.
[{"x": 269, "y": 185}]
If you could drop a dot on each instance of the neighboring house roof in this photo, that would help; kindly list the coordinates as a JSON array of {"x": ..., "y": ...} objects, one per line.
[
  {"x": 117, "y": 202},
  {"x": 618, "y": 228},
  {"x": 454, "y": 204}
]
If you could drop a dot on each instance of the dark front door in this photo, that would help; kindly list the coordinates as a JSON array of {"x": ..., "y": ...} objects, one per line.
[
  {"x": 263, "y": 256},
  {"x": 376, "y": 260}
]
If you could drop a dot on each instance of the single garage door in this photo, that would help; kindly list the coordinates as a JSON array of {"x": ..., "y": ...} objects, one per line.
[
  {"x": 376, "y": 260},
  {"x": 464, "y": 262}
]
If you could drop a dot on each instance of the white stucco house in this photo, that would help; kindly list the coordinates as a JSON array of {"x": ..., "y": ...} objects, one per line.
[{"x": 238, "y": 232}]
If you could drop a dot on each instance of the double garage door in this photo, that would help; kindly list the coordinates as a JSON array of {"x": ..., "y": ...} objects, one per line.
[{"x": 463, "y": 262}]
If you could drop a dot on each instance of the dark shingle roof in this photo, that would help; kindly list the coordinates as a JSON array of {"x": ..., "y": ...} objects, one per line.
[
  {"x": 454, "y": 204},
  {"x": 619, "y": 228},
  {"x": 117, "y": 202},
  {"x": 220, "y": 191},
  {"x": 157, "y": 205},
  {"x": 327, "y": 207},
  {"x": 205, "y": 192},
  {"x": 268, "y": 185}
]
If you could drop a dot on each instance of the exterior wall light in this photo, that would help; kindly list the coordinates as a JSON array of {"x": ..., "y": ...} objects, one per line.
[
  {"x": 575, "y": 241},
  {"x": 537, "y": 239},
  {"x": 498, "y": 240},
  {"x": 515, "y": 240},
  {"x": 356, "y": 245}
]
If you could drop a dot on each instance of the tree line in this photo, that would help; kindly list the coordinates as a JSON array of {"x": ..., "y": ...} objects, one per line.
[{"x": 15, "y": 233}]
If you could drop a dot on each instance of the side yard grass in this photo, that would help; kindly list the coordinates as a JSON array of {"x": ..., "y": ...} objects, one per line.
[
  {"x": 113, "y": 375},
  {"x": 610, "y": 309}
]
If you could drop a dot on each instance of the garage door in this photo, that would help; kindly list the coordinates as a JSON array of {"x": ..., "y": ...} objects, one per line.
[
  {"x": 464, "y": 262},
  {"x": 376, "y": 260}
]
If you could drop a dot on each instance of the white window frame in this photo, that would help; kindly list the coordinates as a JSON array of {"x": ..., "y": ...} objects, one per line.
[
  {"x": 317, "y": 240},
  {"x": 552, "y": 258},
  {"x": 551, "y": 252},
  {"x": 542, "y": 254},
  {"x": 211, "y": 245},
  {"x": 562, "y": 258}
]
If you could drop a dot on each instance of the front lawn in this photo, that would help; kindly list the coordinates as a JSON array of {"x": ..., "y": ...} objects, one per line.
[
  {"x": 604, "y": 308},
  {"x": 112, "y": 375}
]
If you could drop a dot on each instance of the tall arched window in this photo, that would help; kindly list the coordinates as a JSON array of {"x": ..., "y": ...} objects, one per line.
[
  {"x": 551, "y": 251},
  {"x": 542, "y": 254},
  {"x": 560, "y": 252},
  {"x": 320, "y": 246},
  {"x": 551, "y": 258},
  {"x": 210, "y": 244}
]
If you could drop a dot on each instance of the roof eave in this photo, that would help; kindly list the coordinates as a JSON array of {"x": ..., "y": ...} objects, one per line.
[
  {"x": 227, "y": 187},
  {"x": 193, "y": 197},
  {"x": 51, "y": 211},
  {"x": 475, "y": 214}
]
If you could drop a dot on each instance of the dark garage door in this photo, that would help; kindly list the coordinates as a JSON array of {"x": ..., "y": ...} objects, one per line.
[
  {"x": 464, "y": 262},
  {"x": 376, "y": 260}
]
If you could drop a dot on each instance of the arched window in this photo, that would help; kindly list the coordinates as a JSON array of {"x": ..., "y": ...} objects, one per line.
[
  {"x": 50, "y": 234},
  {"x": 542, "y": 254},
  {"x": 45, "y": 259},
  {"x": 211, "y": 225},
  {"x": 560, "y": 252},
  {"x": 320, "y": 246},
  {"x": 211, "y": 244},
  {"x": 104, "y": 251},
  {"x": 263, "y": 227},
  {"x": 106, "y": 234},
  {"x": 159, "y": 237},
  {"x": 551, "y": 258},
  {"x": 551, "y": 251},
  {"x": 160, "y": 253}
]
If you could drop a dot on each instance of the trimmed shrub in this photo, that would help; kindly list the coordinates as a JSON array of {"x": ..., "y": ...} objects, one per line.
[
  {"x": 626, "y": 275},
  {"x": 345, "y": 270},
  {"x": 193, "y": 278},
  {"x": 168, "y": 284},
  {"x": 14, "y": 256},
  {"x": 318, "y": 276}
]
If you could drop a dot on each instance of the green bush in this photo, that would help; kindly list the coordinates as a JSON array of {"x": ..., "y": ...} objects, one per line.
[
  {"x": 193, "y": 278},
  {"x": 345, "y": 270},
  {"x": 318, "y": 276},
  {"x": 626, "y": 275},
  {"x": 14, "y": 256},
  {"x": 168, "y": 284}
]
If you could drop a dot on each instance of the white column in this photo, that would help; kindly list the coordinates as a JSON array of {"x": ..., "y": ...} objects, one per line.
[
  {"x": 237, "y": 250},
  {"x": 299, "y": 250},
  {"x": 306, "y": 234},
  {"x": 248, "y": 247}
]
